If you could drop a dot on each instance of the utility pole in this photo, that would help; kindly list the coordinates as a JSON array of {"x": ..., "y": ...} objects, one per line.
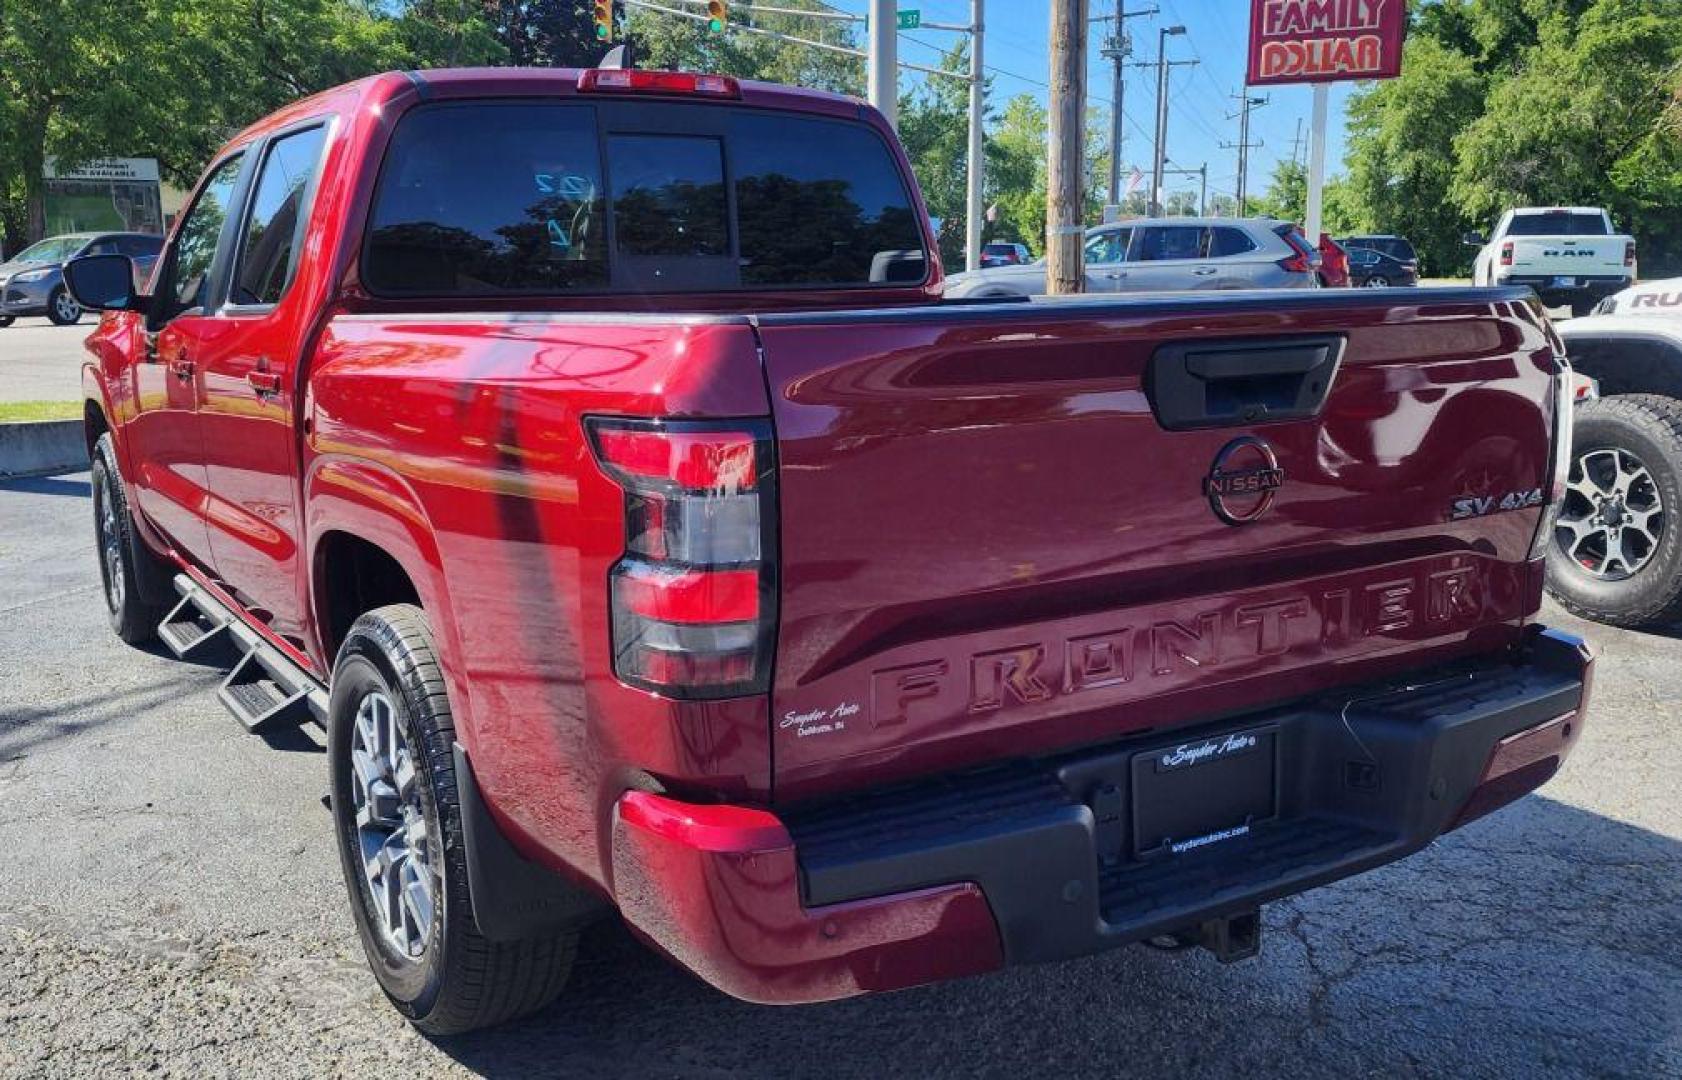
[
  {"x": 883, "y": 62},
  {"x": 1160, "y": 157},
  {"x": 973, "y": 209},
  {"x": 1064, "y": 228},
  {"x": 1316, "y": 163},
  {"x": 1296, "y": 144},
  {"x": 1245, "y": 104},
  {"x": 1117, "y": 48}
]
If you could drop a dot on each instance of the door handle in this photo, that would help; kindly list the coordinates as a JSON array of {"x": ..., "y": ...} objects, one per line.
[
  {"x": 264, "y": 382},
  {"x": 1116, "y": 275},
  {"x": 181, "y": 369},
  {"x": 1204, "y": 271}
]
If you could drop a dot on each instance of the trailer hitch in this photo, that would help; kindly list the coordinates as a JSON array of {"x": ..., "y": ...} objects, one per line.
[
  {"x": 1234, "y": 937},
  {"x": 1231, "y": 938}
]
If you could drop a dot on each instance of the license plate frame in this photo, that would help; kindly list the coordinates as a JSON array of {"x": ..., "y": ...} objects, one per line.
[
  {"x": 1195, "y": 794},
  {"x": 1563, "y": 281}
]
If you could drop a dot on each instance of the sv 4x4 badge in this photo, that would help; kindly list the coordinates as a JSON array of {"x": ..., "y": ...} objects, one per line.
[{"x": 1472, "y": 506}]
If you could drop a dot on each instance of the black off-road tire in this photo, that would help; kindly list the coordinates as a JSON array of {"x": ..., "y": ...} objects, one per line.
[
  {"x": 1580, "y": 308},
  {"x": 460, "y": 981},
  {"x": 1649, "y": 426},
  {"x": 128, "y": 571}
]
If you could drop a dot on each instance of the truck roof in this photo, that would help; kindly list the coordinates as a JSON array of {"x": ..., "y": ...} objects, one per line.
[
  {"x": 517, "y": 80},
  {"x": 1534, "y": 211},
  {"x": 374, "y": 90}
]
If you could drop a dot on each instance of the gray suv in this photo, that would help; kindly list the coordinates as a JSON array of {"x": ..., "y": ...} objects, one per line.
[
  {"x": 1167, "y": 255},
  {"x": 32, "y": 281}
]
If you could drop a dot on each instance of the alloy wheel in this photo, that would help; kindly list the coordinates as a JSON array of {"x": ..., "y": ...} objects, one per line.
[
  {"x": 392, "y": 827},
  {"x": 1612, "y": 518},
  {"x": 66, "y": 307},
  {"x": 110, "y": 546},
  {"x": 1377, "y": 283}
]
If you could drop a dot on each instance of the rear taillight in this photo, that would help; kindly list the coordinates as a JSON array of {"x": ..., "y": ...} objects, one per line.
[
  {"x": 1507, "y": 253},
  {"x": 1303, "y": 261},
  {"x": 1565, "y": 393},
  {"x": 1629, "y": 253},
  {"x": 693, "y": 598},
  {"x": 685, "y": 83}
]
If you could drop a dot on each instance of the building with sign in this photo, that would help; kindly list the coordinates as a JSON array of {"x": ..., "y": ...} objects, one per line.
[{"x": 115, "y": 194}]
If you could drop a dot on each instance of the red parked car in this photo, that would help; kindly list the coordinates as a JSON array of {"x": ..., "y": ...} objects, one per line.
[
  {"x": 591, "y": 453},
  {"x": 1334, "y": 263}
]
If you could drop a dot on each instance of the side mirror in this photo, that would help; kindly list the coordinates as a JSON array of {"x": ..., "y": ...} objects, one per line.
[
  {"x": 1472, "y": 239},
  {"x": 102, "y": 282}
]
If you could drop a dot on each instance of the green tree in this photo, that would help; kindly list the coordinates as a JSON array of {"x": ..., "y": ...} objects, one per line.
[
  {"x": 1286, "y": 197},
  {"x": 934, "y": 129},
  {"x": 173, "y": 79},
  {"x": 1400, "y": 158},
  {"x": 675, "y": 43},
  {"x": 1582, "y": 121},
  {"x": 1514, "y": 102},
  {"x": 537, "y": 33},
  {"x": 1016, "y": 173}
]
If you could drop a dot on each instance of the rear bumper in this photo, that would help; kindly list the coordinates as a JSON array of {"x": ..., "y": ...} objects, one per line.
[
  {"x": 1031, "y": 861},
  {"x": 1585, "y": 288}
]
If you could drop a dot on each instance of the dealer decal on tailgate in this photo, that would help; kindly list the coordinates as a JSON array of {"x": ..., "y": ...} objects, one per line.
[{"x": 1195, "y": 753}]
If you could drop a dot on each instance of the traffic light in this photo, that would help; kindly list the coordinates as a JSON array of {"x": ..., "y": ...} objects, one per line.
[
  {"x": 718, "y": 14},
  {"x": 601, "y": 13}
]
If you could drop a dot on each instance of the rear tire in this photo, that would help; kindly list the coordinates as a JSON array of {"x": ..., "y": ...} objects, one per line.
[
  {"x": 397, "y": 816},
  {"x": 7, "y": 320},
  {"x": 1580, "y": 308},
  {"x": 1377, "y": 281},
  {"x": 1633, "y": 442},
  {"x": 128, "y": 570}
]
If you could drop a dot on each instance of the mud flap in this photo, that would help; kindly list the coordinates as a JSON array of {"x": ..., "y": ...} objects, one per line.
[{"x": 514, "y": 899}]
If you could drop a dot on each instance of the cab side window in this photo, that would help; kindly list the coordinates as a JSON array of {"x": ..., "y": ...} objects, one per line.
[
  {"x": 1162, "y": 242},
  {"x": 1109, "y": 246},
  {"x": 1225, "y": 241},
  {"x": 268, "y": 252},
  {"x": 195, "y": 242}
]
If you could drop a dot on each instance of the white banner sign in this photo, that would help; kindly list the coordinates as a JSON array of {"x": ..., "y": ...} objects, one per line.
[{"x": 134, "y": 170}]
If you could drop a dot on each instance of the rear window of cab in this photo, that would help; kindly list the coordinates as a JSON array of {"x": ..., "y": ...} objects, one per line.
[{"x": 502, "y": 198}]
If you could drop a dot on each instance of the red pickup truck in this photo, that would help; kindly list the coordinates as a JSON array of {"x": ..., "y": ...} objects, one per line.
[{"x": 593, "y": 455}]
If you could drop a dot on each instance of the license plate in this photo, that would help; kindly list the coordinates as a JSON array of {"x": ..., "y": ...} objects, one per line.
[
  {"x": 1565, "y": 283},
  {"x": 1195, "y": 794}
]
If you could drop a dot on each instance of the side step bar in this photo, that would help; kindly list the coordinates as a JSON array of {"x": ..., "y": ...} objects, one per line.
[{"x": 265, "y": 690}]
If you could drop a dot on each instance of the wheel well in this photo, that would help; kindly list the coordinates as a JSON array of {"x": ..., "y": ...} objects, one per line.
[
  {"x": 93, "y": 424},
  {"x": 354, "y": 576},
  {"x": 1630, "y": 365}
]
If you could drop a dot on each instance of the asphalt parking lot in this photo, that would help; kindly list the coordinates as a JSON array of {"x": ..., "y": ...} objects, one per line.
[
  {"x": 42, "y": 362},
  {"x": 171, "y": 903}
]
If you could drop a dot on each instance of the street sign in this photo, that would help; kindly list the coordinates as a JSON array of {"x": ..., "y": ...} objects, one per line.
[{"x": 910, "y": 19}]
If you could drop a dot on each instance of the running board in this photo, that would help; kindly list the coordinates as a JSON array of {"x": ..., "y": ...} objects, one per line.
[{"x": 265, "y": 690}]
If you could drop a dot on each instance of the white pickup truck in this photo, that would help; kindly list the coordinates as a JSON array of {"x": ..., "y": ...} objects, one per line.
[{"x": 1568, "y": 254}]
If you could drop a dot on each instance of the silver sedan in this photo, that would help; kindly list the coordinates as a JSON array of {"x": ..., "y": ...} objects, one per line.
[{"x": 1168, "y": 255}]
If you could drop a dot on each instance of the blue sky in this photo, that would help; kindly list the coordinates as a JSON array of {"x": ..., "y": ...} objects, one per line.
[{"x": 1216, "y": 31}]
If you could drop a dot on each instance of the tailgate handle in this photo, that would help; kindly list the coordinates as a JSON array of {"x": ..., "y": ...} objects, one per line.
[{"x": 1205, "y": 384}]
